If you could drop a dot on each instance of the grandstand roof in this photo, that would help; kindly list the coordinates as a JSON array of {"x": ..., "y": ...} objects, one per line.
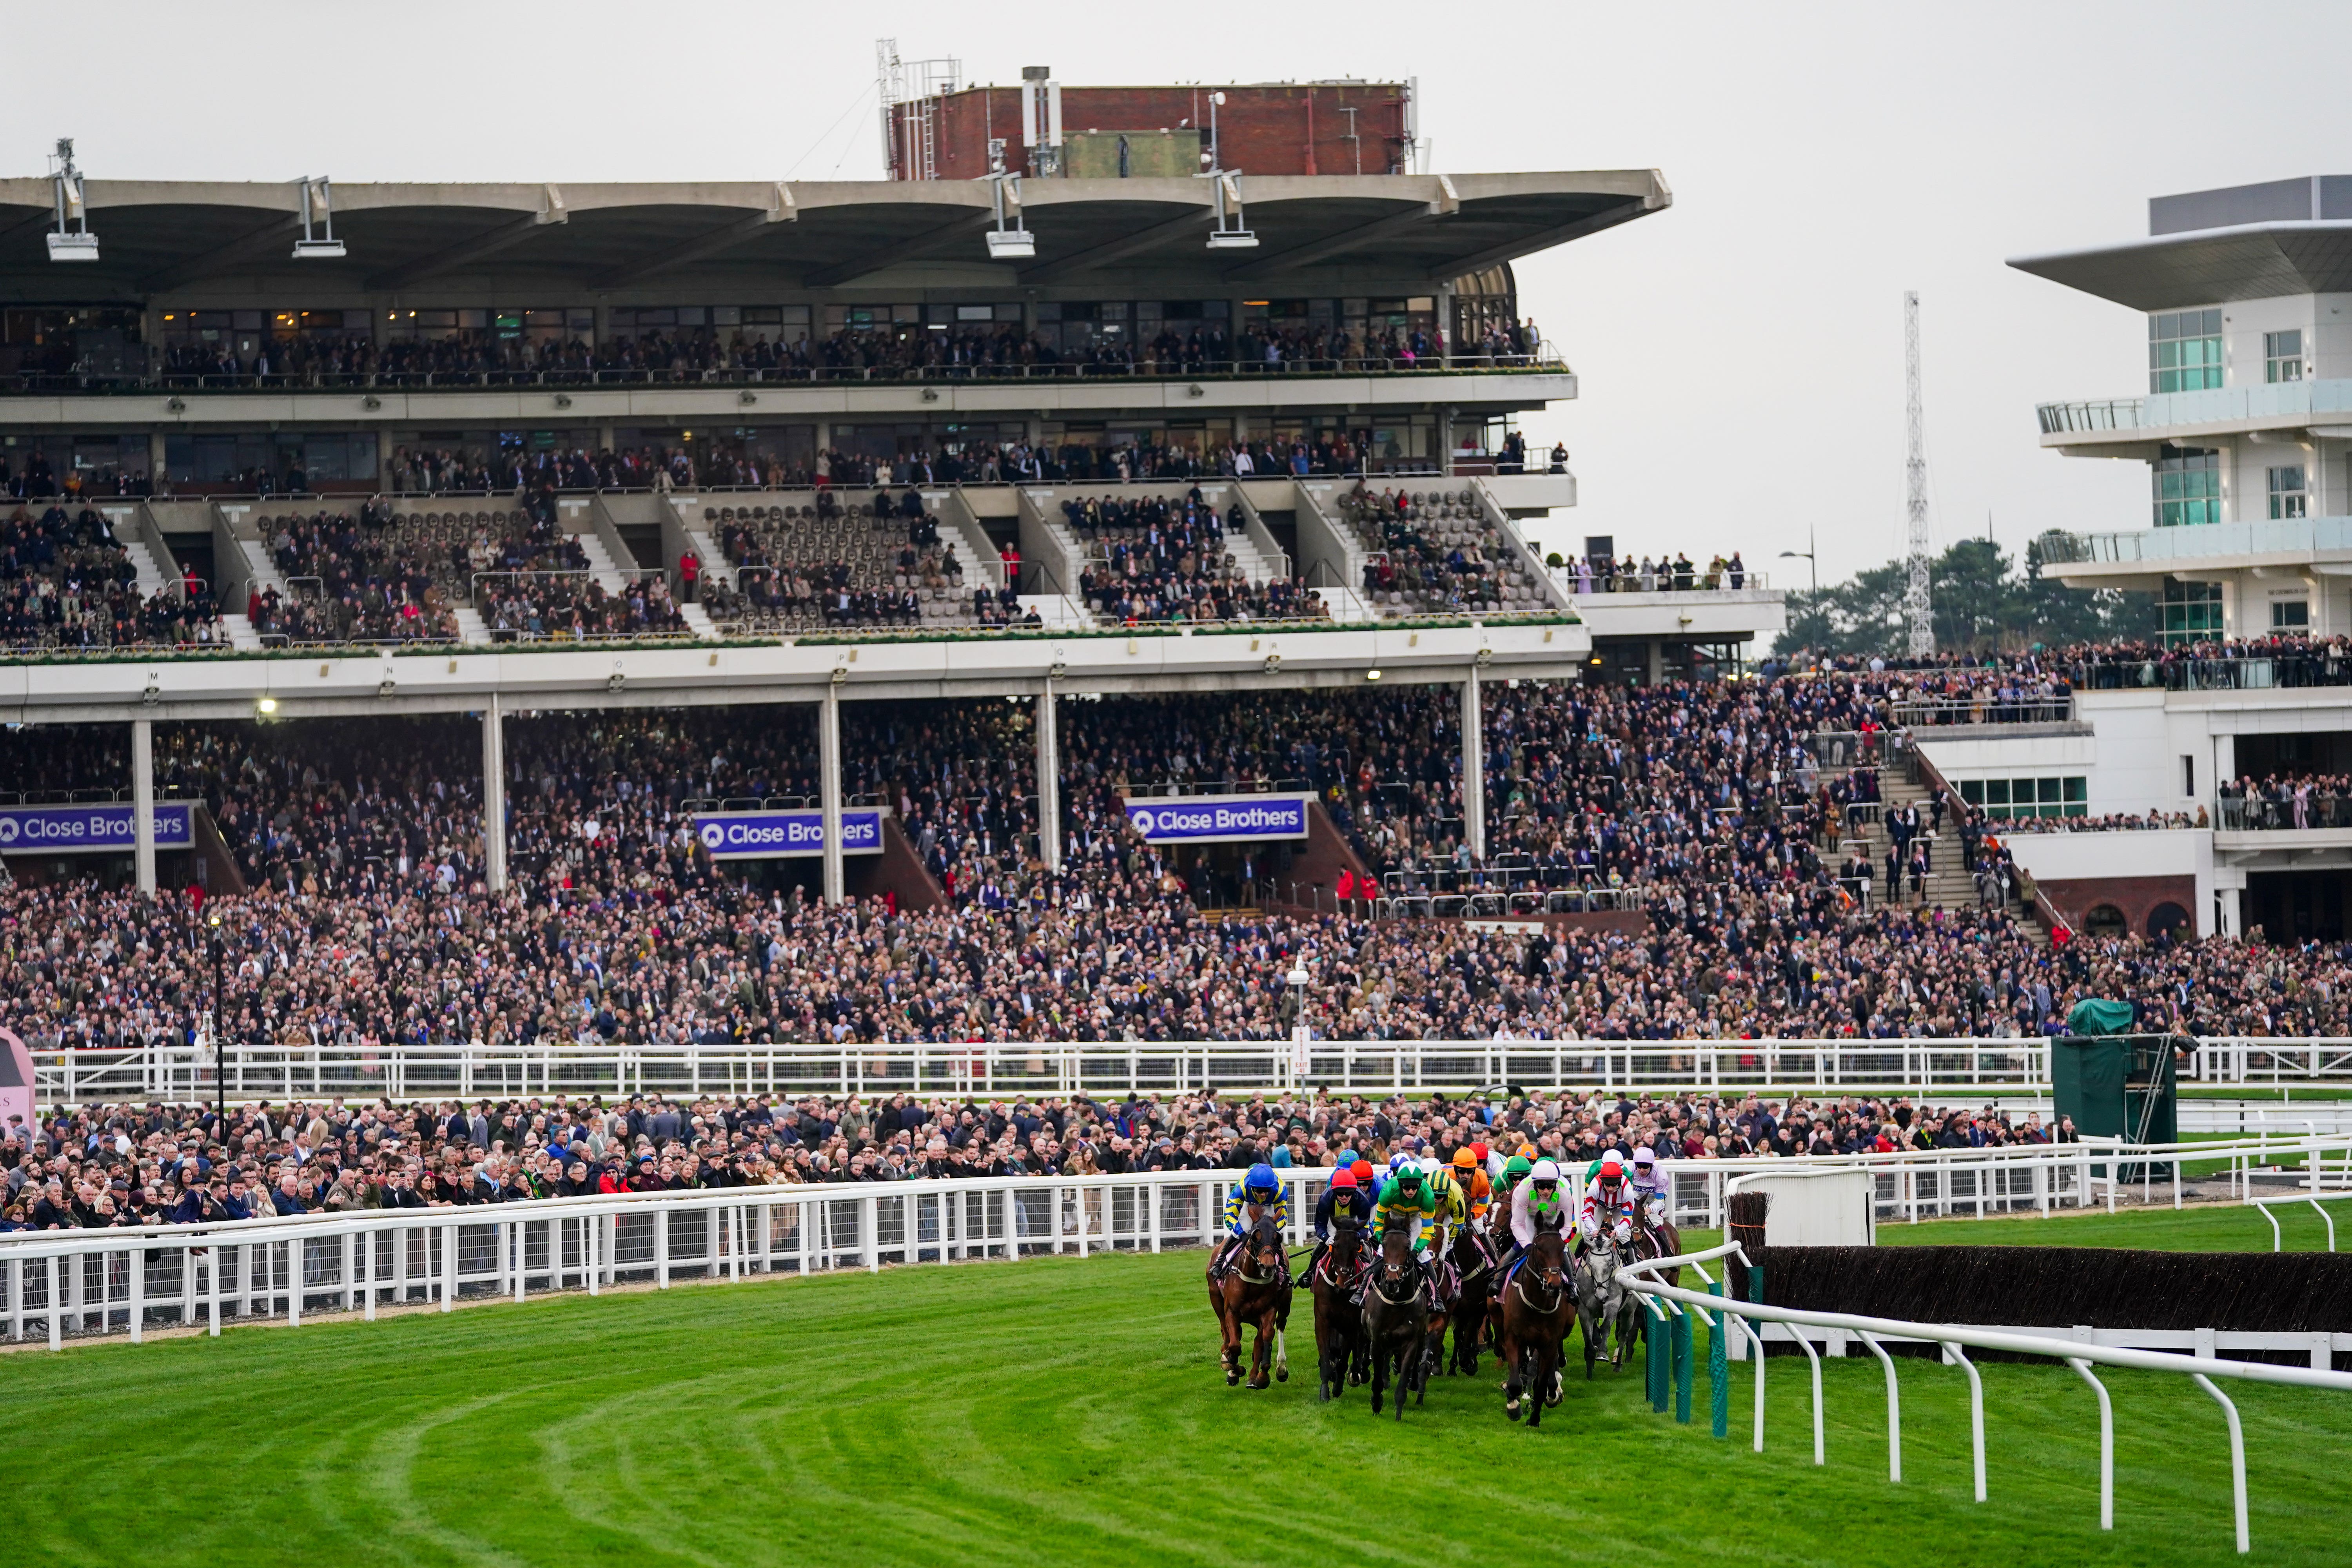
[
  {"x": 1356, "y": 231},
  {"x": 2208, "y": 266}
]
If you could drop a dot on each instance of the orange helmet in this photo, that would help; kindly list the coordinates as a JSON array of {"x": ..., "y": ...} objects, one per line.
[{"x": 1464, "y": 1160}]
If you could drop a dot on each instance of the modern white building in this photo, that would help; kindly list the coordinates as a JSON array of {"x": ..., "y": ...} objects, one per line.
[
  {"x": 2245, "y": 426},
  {"x": 2246, "y": 420}
]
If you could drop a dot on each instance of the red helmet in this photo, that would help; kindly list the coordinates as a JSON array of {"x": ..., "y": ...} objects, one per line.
[
  {"x": 1363, "y": 1169},
  {"x": 1344, "y": 1179},
  {"x": 1610, "y": 1170}
]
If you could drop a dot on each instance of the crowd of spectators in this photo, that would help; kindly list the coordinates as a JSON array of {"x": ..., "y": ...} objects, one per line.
[
  {"x": 104, "y": 1166},
  {"x": 2106, "y": 822},
  {"x": 2288, "y": 800},
  {"x": 66, "y": 580},
  {"x": 1675, "y": 575},
  {"x": 1436, "y": 552},
  {"x": 1157, "y": 558},
  {"x": 365, "y": 918}
]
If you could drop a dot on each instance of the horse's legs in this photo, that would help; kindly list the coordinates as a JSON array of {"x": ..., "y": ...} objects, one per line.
[
  {"x": 1281, "y": 1354},
  {"x": 1379, "y": 1358},
  {"x": 1229, "y": 1329},
  {"x": 1511, "y": 1384}
]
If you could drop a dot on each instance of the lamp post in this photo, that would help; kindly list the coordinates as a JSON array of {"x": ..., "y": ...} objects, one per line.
[
  {"x": 1810, "y": 555},
  {"x": 220, "y": 1061}
]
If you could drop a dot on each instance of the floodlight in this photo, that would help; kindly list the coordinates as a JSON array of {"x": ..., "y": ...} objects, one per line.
[{"x": 1011, "y": 244}]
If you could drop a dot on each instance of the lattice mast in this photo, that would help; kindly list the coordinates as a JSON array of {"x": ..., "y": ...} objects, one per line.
[{"x": 1918, "y": 612}]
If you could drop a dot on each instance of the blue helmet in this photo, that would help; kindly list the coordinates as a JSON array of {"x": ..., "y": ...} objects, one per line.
[
  {"x": 1346, "y": 1158},
  {"x": 1260, "y": 1178}
]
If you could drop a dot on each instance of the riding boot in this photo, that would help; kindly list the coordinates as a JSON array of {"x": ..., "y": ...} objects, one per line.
[{"x": 1313, "y": 1258}]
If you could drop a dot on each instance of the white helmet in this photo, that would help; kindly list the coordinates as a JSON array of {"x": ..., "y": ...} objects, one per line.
[
  {"x": 1545, "y": 1171},
  {"x": 1642, "y": 1156}
]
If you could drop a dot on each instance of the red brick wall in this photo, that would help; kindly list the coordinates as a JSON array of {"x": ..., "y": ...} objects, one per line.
[
  {"x": 1297, "y": 129},
  {"x": 2136, "y": 896}
]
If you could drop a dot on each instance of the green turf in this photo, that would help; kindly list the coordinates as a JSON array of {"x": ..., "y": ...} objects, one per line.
[{"x": 1069, "y": 1411}]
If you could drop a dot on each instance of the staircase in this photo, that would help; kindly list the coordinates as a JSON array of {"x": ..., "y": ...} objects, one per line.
[
  {"x": 1950, "y": 885},
  {"x": 471, "y": 628},
  {"x": 1255, "y": 565},
  {"x": 154, "y": 574},
  {"x": 241, "y": 635},
  {"x": 609, "y": 573},
  {"x": 697, "y": 621}
]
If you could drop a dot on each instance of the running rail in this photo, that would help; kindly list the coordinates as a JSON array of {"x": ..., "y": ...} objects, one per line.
[{"x": 1713, "y": 1311}]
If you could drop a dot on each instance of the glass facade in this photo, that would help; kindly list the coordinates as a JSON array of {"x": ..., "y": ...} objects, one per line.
[
  {"x": 2188, "y": 482},
  {"x": 2029, "y": 798},
  {"x": 2191, "y": 611},
  {"x": 2184, "y": 351}
]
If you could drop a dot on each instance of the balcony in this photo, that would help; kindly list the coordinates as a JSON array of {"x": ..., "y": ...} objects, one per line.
[
  {"x": 2219, "y": 411},
  {"x": 2296, "y": 542}
]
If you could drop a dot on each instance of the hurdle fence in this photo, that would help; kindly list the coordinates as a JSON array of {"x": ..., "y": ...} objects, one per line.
[{"x": 1667, "y": 1335}]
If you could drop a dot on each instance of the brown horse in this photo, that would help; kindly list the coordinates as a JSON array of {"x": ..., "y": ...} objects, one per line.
[
  {"x": 1338, "y": 1325},
  {"x": 1253, "y": 1289},
  {"x": 1473, "y": 1257},
  {"x": 1396, "y": 1318},
  {"x": 1536, "y": 1308}
]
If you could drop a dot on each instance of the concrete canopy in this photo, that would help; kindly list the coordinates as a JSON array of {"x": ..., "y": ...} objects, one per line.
[
  {"x": 2208, "y": 266},
  {"x": 1352, "y": 231}
]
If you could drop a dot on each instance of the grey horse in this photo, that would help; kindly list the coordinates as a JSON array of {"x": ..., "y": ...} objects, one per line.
[{"x": 1602, "y": 1302}]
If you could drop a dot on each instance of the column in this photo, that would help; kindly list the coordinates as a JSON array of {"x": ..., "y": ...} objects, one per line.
[
  {"x": 1474, "y": 769},
  {"x": 494, "y": 796},
  {"x": 156, "y": 453},
  {"x": 1657, "y": 662},
  {"x": 1049, "y": 781},
  {"x": 143, "y": 801},
  {"x": 828, "y": 761}
]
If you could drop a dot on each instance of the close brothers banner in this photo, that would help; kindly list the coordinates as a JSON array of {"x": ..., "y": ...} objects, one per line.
[
  {"x": 1219, "y": 819},
  {"x": 751, "y": 835},
  {"x": 92, "y": 830}
]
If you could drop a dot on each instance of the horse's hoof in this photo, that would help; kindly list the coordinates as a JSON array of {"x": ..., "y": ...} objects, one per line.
[
  {"x": 1512, "y": 1409},
  {"x": 1282, "y": 1374},
  {"x": 1231, "y": 1378}
]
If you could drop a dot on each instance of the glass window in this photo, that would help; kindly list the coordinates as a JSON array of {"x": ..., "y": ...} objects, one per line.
[
  {"x": 2290, "y": 614},
  {"x": 2283, "y": 355},
  {"x": 2184, "y": 351},
  {"x": 2191, "y": 611},
  {"x": 2188, "y": 486},
  {"x": 2287, "y": 495}
]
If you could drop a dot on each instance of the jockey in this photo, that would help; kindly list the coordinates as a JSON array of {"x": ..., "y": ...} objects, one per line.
[
  {"x": 1606, "y": 1203},
  {"x": 1470, "y": 1176},
  {"x": 1343, "y": 1203},
  {"x": 1407, "y": 1197},
  {"x": 1648, "y": 1188},
  {"x": 1259, "y": 1195},
  {"x": 1538, "y": 1204},
  {"x": 1451, "y": 1204},
  {"x": 1515, "y": 1171}
]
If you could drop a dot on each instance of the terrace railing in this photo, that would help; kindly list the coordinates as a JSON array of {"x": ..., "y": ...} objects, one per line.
[{"x": 167, "y": 1069}]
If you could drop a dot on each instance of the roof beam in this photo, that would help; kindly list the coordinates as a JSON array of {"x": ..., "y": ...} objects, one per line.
[
  {"x": 1119, "y": 250},
  {"x": 928, "y": 242},
  {"x": 1331, "y": 245},
  {"x": 247, "y": 247},
  {"x": 1544, "y": 239},
  {"x": 489, "y": 242},
  {"x": 780, "y": 208}
]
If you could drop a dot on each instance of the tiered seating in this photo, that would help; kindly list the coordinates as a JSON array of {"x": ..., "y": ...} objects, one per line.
[
  {"x": 1436, "y": 553},
  {"x": 66, "y": 582},
  {"x": 829, "y": 564}
]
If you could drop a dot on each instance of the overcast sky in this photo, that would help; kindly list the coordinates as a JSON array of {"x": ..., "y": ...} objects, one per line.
[{"x": 1741, "y": 354}]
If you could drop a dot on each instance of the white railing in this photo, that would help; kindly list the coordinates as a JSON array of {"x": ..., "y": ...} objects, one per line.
[
  {"x": 89, "y": 1283},
  {"x": 1931, "y": 1067},
  {"x": 1667, "y": 1303}
]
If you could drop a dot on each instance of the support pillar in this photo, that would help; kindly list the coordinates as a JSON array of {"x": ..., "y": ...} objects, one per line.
[
  {"x": 494, "y": 796},
  {"x": 1474, "y": 769},
  {"x": 828, "y": 761},
  {"x": 1049, "y": 781},
  {"x": 143, "y": 801},
  {"x": 1656, "y": 674}
]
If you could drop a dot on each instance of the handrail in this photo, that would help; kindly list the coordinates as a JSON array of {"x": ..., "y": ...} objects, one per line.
[{"x": 1712, "y": 1310}]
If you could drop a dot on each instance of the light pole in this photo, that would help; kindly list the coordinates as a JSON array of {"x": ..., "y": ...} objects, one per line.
[{"x": 1810, "y": 555}]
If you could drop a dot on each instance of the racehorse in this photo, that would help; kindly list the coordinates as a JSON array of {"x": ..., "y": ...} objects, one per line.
[
  {"x": 1396, "y": 1318},
  {"x": 1602, "y": 1302},
  {"x": 1535, "y": 1307},
  {"x": 1473, "y": 1257},
  {"x": 1339, "y": 1327},
  {"x": 1253, "y": 1289}
]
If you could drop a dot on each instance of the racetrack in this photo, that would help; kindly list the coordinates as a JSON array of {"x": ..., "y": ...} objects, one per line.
[{"x": 1070, "y": 1411}]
